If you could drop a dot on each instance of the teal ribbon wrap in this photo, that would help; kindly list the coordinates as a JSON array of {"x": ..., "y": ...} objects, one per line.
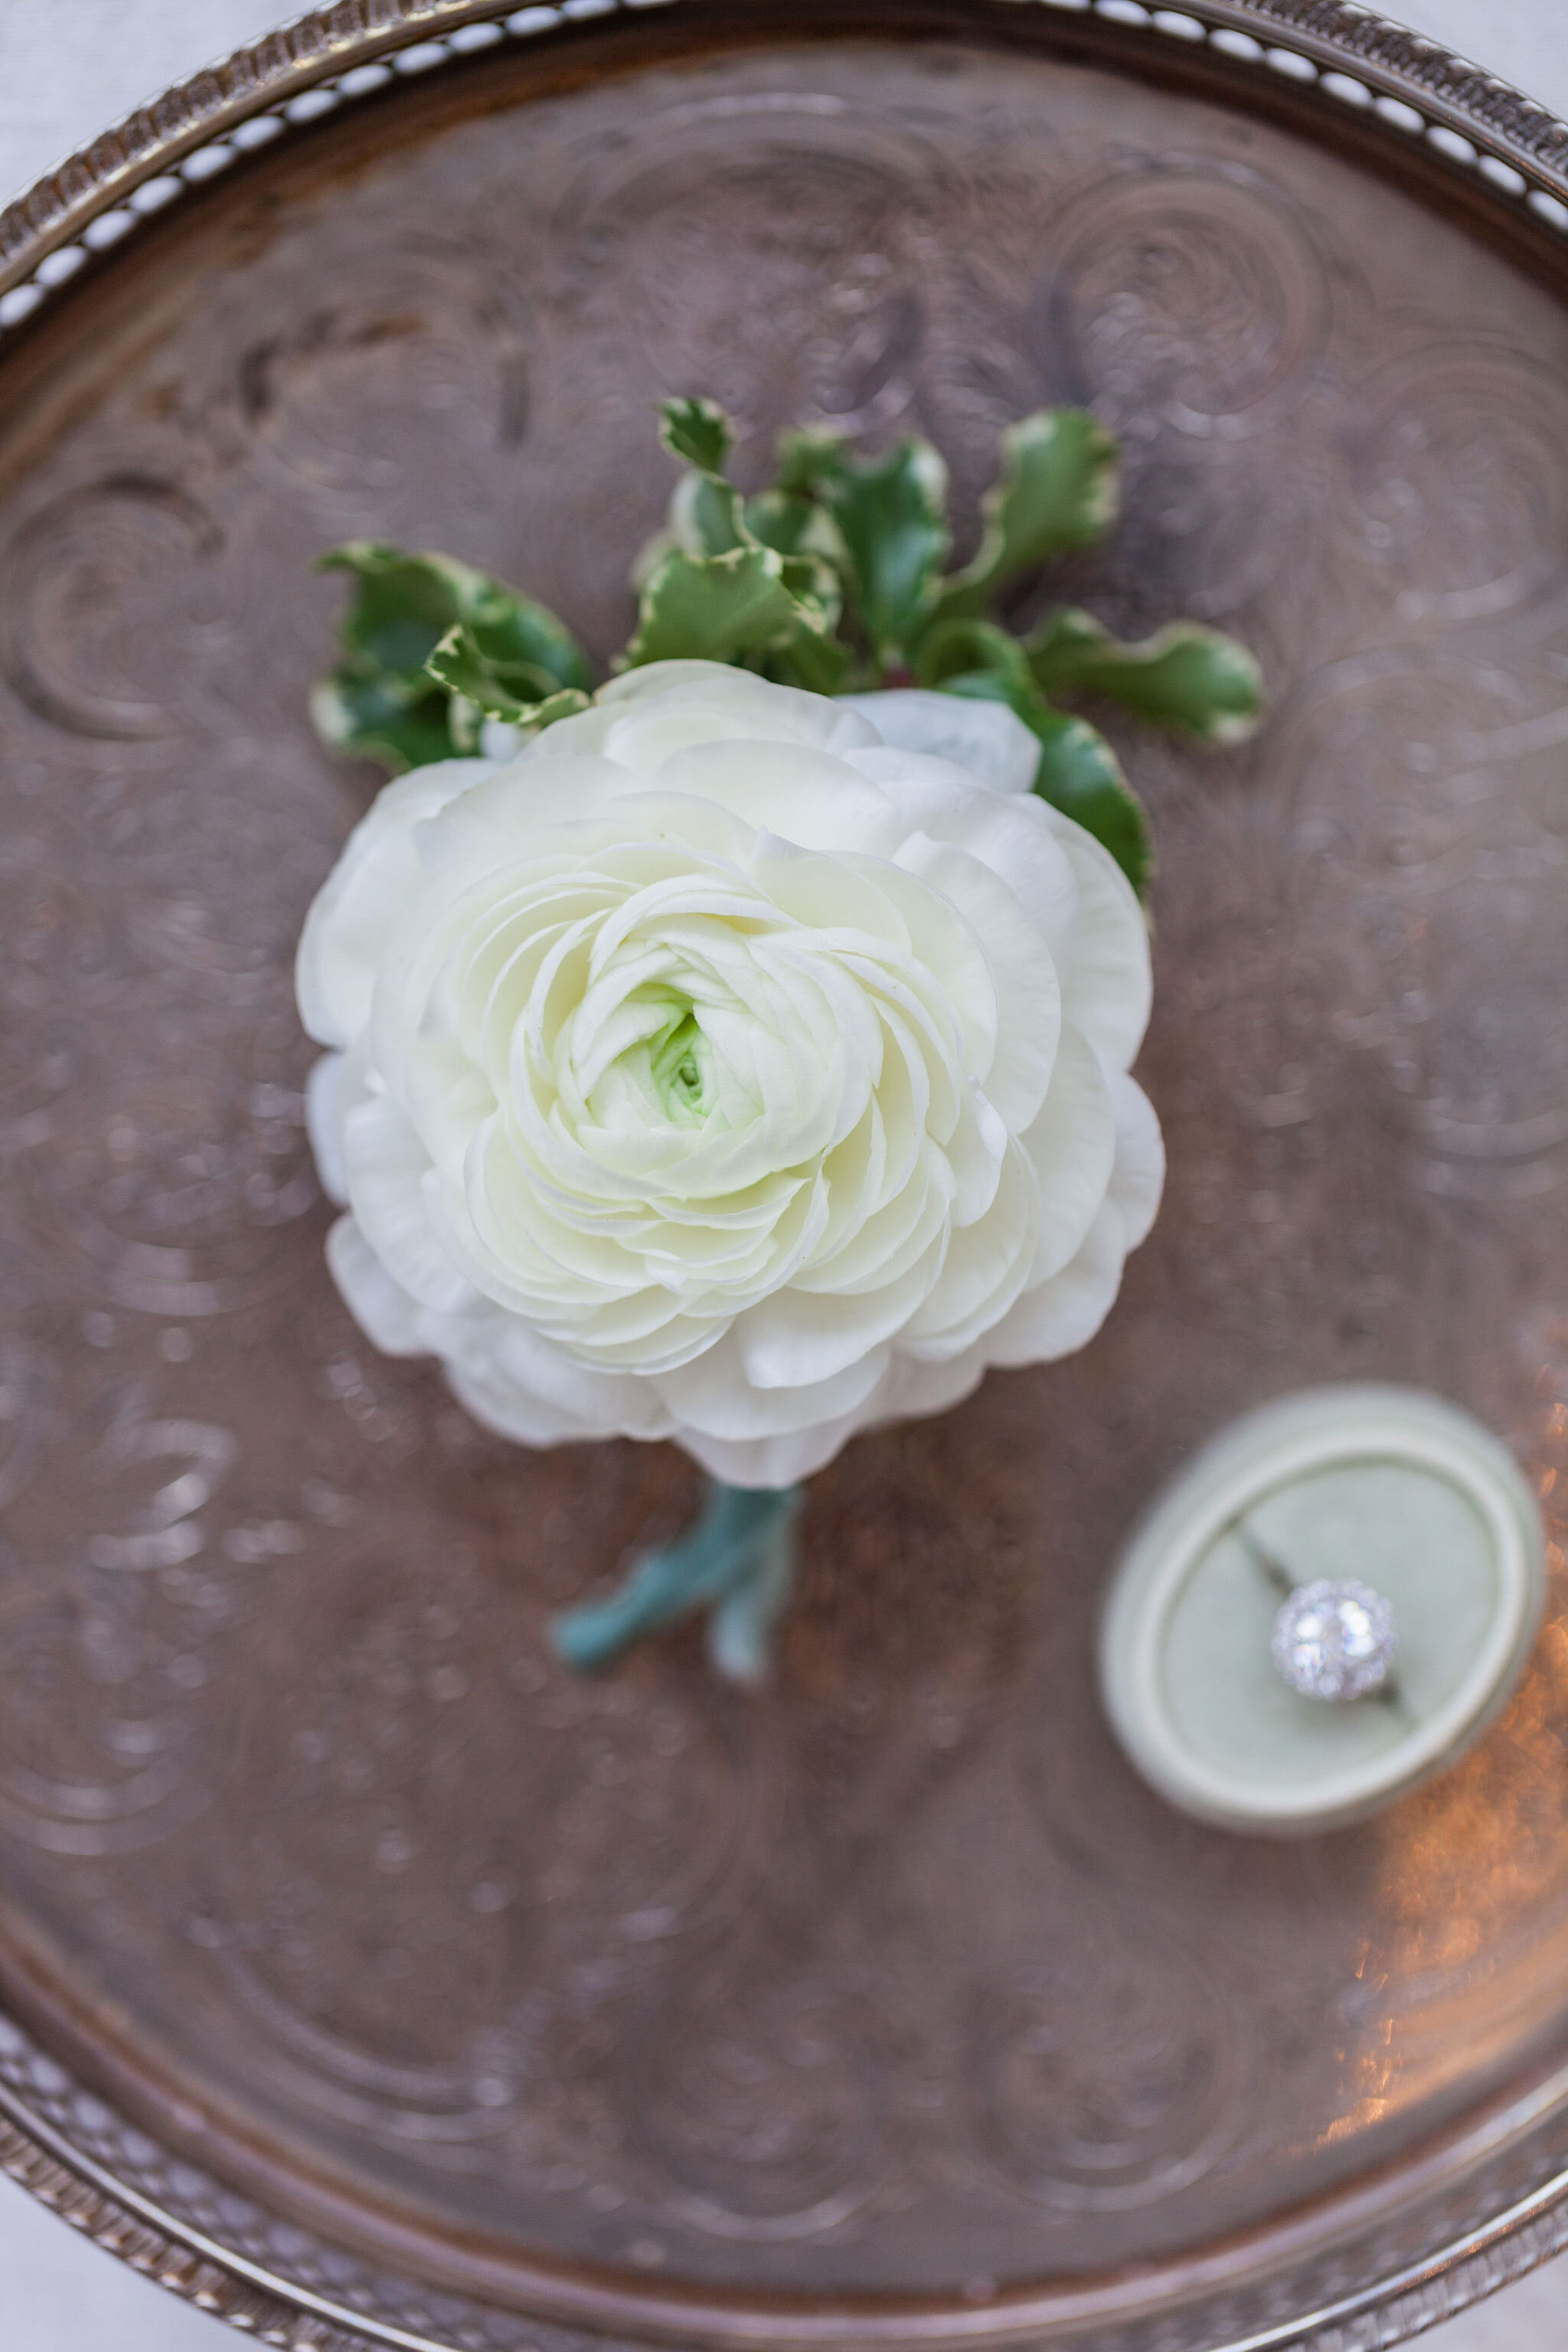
[{"x": 737, "y": 1562}]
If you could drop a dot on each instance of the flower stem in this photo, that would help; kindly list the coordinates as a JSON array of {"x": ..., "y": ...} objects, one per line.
[{"x": 737, "y": 1559}]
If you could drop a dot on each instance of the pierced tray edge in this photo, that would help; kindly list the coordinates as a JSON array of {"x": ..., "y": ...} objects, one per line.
[{"x": 1482, "y": 128}]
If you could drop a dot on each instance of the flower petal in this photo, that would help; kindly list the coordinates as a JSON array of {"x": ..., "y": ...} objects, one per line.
[
  {"x": 808, "y": 797},
  {"x": 985, "y": 738},
  {"x": 1108, "y": 987},
  {"x": 713, "y": 1395},
  {"x": 987, "y": 1266},
  {"x": 321, "y": 1125},
  {"x": 357, "y": 908},
  {"x": 383, "y": 1310},
  {"x": 1025, "y": 990},
  {"x": 387, "y": 1167},
  {"x": 1138, "y": 1179},
  {"x": 1073, "y": 1146},
  {"x": 719, "y": 1068},
  {"x": 1059, "y": 1317},
  {"x": 1014, "y": 836},
  {"x": 797, "y": 1338}
]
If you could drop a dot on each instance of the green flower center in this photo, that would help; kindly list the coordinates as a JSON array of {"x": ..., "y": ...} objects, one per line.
[{"x": 680, "y": 1063}]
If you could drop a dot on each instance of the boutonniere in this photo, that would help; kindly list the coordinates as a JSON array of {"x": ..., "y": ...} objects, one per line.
[{"x": 739, "y": 1052}]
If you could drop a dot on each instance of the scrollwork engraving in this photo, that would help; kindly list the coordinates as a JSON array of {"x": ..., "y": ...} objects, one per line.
[{"x": 81, "y": 623}]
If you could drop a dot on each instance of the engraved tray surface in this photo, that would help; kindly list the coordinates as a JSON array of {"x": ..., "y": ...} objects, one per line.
[{"x": 439, "y": 1998}]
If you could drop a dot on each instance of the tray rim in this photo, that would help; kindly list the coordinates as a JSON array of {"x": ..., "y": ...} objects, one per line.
[
  {"x": 1518, "y": 149},
  {"x": 1488, "y": 139}
]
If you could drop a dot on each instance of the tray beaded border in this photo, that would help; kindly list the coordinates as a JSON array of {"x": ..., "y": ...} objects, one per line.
[
  {"x": 1479, "y": 124},
  {"x": 181, "y": 2228},
  {"x": 169, "y": 2220}
]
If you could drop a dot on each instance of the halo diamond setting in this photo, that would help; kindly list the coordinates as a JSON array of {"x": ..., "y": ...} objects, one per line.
[{"x": 1334, "y": 1640}]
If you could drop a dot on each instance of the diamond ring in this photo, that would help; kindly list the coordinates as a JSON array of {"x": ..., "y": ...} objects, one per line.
[{"x": 1334, "y": 1640}]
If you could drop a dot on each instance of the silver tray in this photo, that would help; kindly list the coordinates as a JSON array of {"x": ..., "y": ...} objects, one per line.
[{"x": 369, "y": 1981}]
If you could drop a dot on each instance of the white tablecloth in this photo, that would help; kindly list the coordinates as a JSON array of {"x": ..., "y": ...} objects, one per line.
[{"x": 68, "y": 69}]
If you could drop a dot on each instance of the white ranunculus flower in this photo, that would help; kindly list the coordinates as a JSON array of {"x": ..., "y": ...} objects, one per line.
[{"x": 729, "y": 1067}]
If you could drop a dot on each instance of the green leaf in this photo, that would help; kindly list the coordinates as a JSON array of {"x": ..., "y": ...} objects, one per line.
[
  {"x": 712, "y": 513},
  {"x": 816, "y": 589},
  {"x": 474, "y": 661},
  {"x": 821, "y": 665},
  {"x": 1078, "y": 772},
  {"x": 807, "y": 459},
  {"x": 705, "y": 517},
  {"x": 514, "y": 634},
  {"x": 373, "y": 719},
  {"x": 718, "y": 608},
  {"x": 564, "y": 705},
  {"x": 1059, "y": 489},
  {"x": 698, "y": 432},
  {"x": 956, "y": 649},
  {"x": 382, "y": 701},
  {"x": 792, "y": 525},
  {"x": 1186, "y": 677},
  {"x": 516, "y": 691},
  {"x": 892, "y": 517},
  {"x": 403, "y": 604}
]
